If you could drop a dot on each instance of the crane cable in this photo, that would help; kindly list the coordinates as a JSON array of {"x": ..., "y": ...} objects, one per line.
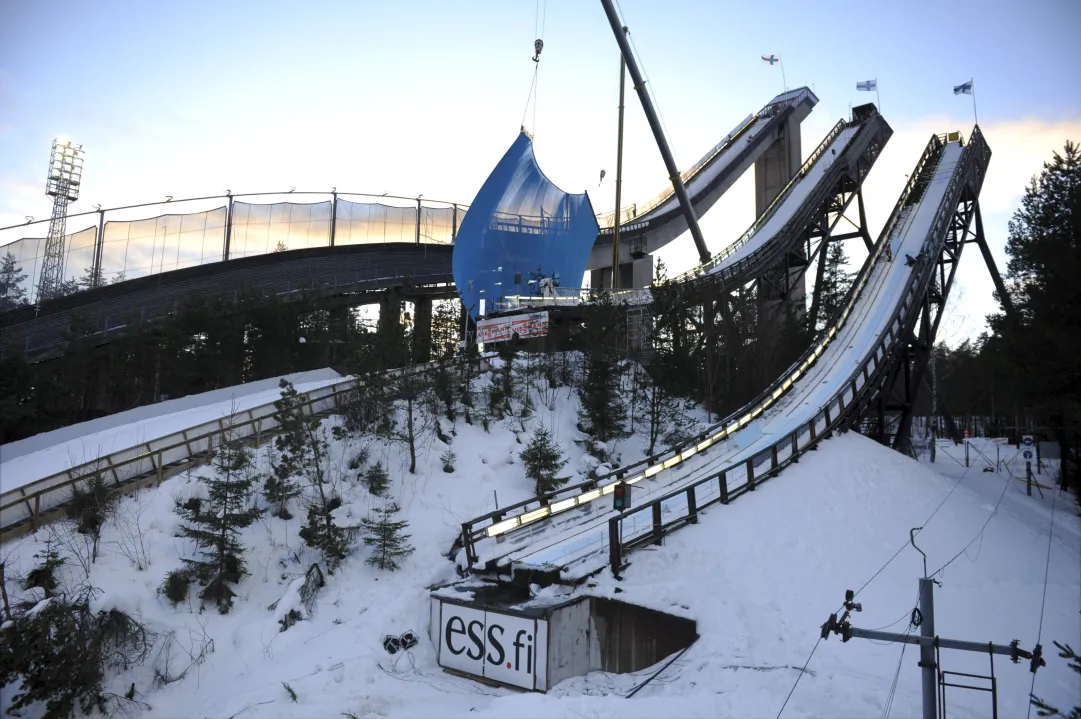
[{"x": 539, "y": 17}]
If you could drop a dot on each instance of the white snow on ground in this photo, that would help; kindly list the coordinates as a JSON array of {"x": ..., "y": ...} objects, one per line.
[
  {"x": 435, "y": 503},
  {"x": 759, "y": 576},
  {"x": 48, "y": 453}
]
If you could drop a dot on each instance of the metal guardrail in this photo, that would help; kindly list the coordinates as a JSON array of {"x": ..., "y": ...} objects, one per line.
[
  {"x": 719, "y": 486},
  {"x": 545, "y": 506},
  {"x": 572, "y": 297},
  {"x": 178, "y": 449},
  {"x": 771, "y": 210},
  {"x": 634, "y": 214}
]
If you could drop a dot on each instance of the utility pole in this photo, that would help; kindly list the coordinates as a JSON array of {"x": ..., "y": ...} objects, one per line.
[
  {"x": 619, "y": 171},
  {"x": 658, "y": 133},
  {"x": 930, "y": 643}
]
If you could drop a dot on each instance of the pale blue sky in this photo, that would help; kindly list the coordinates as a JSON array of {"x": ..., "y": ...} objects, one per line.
[{"x": 424, "y": 97}]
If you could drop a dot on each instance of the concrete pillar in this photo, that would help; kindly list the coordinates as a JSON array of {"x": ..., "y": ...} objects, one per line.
[
  {"x": 634, "y": 274},
  {"x": 390, "y": 313},
  {"x": 772, "y": 172},
  {"x": 422, "y": 329}
]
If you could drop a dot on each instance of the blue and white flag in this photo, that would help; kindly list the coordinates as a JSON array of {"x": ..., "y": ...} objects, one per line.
[
  {"x": 867, "y": 85},
  {"x": 963, "y": 89},
  {"x": 770, "y": 59}
]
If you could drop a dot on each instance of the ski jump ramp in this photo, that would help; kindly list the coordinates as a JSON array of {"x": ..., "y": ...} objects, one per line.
[
  {"x": 649, "y": 226},
  {"x": 825, "y": 185},
  {"x": 572, "y": 533}
]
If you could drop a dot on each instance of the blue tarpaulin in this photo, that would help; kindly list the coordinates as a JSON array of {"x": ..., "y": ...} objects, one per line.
[{"x": 520, "y": 233}]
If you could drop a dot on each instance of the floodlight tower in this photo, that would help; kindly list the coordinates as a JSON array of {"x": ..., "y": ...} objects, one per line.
[{"x": 62, "y": 184}]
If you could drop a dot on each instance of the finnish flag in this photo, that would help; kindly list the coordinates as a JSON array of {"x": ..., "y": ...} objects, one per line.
[
  {"x": 867, "y": 85},
  {"x": 963, "y": 89}
]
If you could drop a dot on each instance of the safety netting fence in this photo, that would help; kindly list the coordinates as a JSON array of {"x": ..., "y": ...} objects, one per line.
[{"x": 114, "y": 245}]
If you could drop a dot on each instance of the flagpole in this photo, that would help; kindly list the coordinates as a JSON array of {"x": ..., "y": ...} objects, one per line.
[
  {"x": 974, "y": 115},
  {"x": 878, "y": 97},
  {"x": 783, "y": 79}
]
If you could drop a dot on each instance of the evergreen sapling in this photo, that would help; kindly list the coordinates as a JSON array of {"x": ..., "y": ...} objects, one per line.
[
  {"x": 215, "y": 527},
  {"x": 385, "y": 536},
  {"x": 543, "y": 460}
]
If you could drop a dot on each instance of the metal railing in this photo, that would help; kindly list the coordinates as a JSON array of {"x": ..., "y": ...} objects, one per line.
[
  {"x": 771, "y": 210},
  {"x": 544, "y": 506},
  {"x": 720, "y": 487},
  {"x": 635, "y": 212},
  {"x": 574, "y": 296},
  {"x": 164, "y": 455}
]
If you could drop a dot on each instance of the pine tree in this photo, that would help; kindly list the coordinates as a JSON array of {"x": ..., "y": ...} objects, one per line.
[
  {"x": 377, "y": 479},
  {"x": 293, "y": 451},
  {"x": 322, "y": 533},
  {"x": 384, "y": 535},
  {"x": 603, "y": 412},
  {"x": 1043, "y": 342},
  {"x": 214, "y": 524},
  {"x": 508, "y": 389},
  {"x": 663, "y": 411},
  {"x": 835, "y": 285},
  {"x": 543, "y": 460},
  {"x": 91, "y": 278},
  {"x": 12, "y": 283}
]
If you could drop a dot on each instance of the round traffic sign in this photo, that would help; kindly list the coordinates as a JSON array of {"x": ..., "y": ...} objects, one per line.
[{"x": 1028, "y": 454}]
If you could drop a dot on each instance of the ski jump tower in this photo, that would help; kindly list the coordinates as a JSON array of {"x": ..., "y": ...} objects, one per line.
[{"x": 773, "y": 170}]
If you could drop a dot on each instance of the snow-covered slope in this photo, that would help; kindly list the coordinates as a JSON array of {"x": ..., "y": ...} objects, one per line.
[
  {"x": 759, "y": 576},
  {"x": 44, "y": 454}
]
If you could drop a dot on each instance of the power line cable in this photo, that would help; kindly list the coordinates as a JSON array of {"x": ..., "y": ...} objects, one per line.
[
  {"x": 880, "y": 570},
  {"x": 893, "y": 686},
  {"x": 979, "y": 534},
  {"x": 1043, "y": 601},
  {"x": 800, "y": 676}
]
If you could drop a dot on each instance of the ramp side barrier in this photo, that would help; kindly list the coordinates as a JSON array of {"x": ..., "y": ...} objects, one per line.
[
  {"x": 820, "y": 193},
  {"x": 771, "y": 210},
  {"x": 631, "y": 529},
  {"x": 543, "y": 507},
  {"x": 171, "y": 453},
  {"x": 768, "y": 112}
]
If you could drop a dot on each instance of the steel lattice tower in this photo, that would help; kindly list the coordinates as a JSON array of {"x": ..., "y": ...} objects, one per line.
[{"x": 62, "y": 184}]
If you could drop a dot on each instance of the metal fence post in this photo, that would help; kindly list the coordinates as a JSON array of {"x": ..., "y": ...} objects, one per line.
[
  {"x": 750, "y": 474},
  {"x": 615, "y": 545},
  {"x": 723, "y": 481},
  {"x": 228, "y": 228},
  {"x": 658, "y": 532},
  {"x": 692, "y": 506},
  {"x": 333, "y": 214},
  {"x": 99, "y": 245}
]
